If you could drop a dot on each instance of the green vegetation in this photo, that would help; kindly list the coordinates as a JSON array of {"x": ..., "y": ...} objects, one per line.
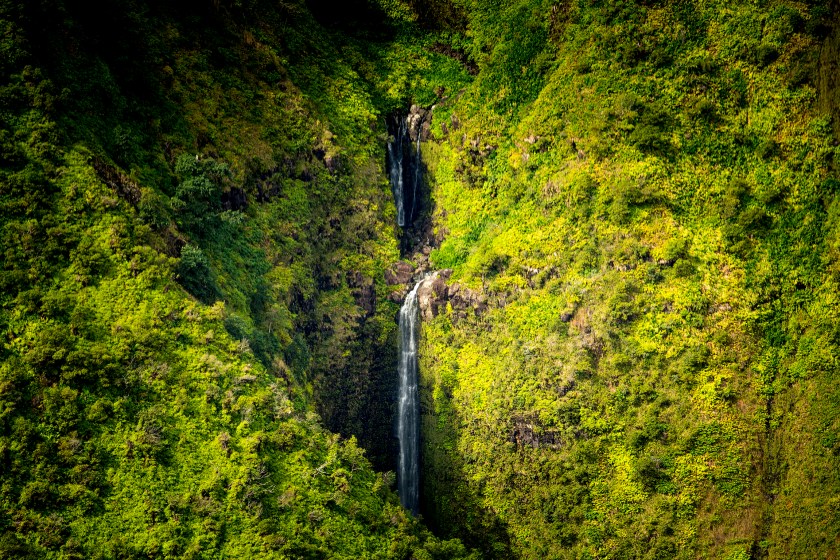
[
  {"x": 646, "y": 194},
  {"x": 198, "y": 345},
  {"x": 195, "y": 224}
]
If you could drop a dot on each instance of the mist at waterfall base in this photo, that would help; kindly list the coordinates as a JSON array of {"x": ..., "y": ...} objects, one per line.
[
  {"x": 408, "y": 427},
  {"x": 403, "y": 169}
]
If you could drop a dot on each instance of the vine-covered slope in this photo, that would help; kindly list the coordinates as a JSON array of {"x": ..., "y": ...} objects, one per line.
[{"x": 646, "y": 195}]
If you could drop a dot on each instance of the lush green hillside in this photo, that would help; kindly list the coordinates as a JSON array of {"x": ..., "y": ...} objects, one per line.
[
  {"x": 635, "y": 355},
  {"x": 646, "y": 195},
  {"x": 195, "y": 224}
]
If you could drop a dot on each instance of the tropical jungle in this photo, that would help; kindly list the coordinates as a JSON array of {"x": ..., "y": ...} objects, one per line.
[{"x": 420, "y": 279}]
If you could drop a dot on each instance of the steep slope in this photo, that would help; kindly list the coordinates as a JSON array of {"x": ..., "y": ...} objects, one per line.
[
  {"x": 630, "y": 351},
  {"x": 195, "y": 224},
  {"x": 645, "y": 195}
]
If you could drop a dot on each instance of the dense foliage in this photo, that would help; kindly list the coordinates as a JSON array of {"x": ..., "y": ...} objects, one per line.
[
  {"x": 195, "y": 224},
  {"x": 647, "y": 194}
]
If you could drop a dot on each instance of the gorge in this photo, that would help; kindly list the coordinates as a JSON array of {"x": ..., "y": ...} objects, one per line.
[{"x": 404, "y": 166}]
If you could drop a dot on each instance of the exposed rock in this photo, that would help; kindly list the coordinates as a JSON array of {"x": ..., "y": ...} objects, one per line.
[
  {"x": 623, "y": 267},
  {"x": 400, "y": 273},
  {"x": 333, "y": 163},
  {"x": 419, "y": 121},
  {"x": 124, "y": 186},
  {"x": 431, "y": 296},
  {"x": 564, "y": 389},
  {"x": 487, "y": 150},
  {"x": 462, "y": 299},
  {"x": 398, "y": 296},
  {"x": 527, "y": 433},
  {"x": 434, "y": 294},
  {"x": 425, "y": 130},
  {"x": 587, "y": 337},
  {"x": 453, "y": 290}
]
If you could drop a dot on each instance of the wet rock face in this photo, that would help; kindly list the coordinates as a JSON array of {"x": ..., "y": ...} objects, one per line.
[
  {"x": 434, "y": 294},
  {"x": 419, "y": 122}
]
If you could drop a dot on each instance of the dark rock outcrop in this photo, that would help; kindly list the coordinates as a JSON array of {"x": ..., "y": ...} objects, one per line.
[
  {"x": 234, "y": 199},
  {"x": 400, "y": 273},
  {"x": 434, "y": 294},
  {"x": 527, "y": 433},
  {"x": 419, "y": 122},
  {"x": 122, "y": 184}
]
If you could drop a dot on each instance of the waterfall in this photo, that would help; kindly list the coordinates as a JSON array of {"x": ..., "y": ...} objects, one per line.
[
  {"x": 408, "y": 426},
  {"x": 405, "y": 173},
  {"x": 404, "y": 167},
  {"x": 396, "y": 154},
  {"x": 417, "y": 175}
]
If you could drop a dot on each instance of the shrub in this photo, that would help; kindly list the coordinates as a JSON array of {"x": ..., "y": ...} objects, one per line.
[
  {"x": 198, "y": 197},
  {"x": 194, "y": 274}
]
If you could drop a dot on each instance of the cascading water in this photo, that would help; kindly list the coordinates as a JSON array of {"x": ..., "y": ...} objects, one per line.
[
  {"x": 405, "y": 173},
  {"x": 396, "y": 155},
  {"x": 408, "y": 427},
  {"x": 404, "y": 168},
  {"x": 417, "y": 175}
]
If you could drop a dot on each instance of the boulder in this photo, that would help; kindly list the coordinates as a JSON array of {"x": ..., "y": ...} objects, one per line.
[
  {"x": 431, "y": 296},
  {"x": 434, "y": 294},
  {"x": 400, "y": 273}
]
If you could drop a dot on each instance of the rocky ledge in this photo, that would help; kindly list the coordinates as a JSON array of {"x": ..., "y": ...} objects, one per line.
[{"x": 435, "y": 292}]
